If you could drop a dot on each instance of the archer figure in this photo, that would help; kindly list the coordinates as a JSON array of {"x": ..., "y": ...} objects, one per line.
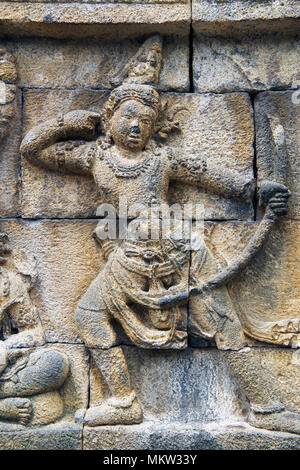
[{"x": 139, "y": 273}]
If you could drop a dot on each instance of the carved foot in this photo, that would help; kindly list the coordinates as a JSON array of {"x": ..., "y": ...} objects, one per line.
[
  {"x": 106, "y": 414},
  {"x": 15, "y": 409},
  {"x": 284, "y": 421}
]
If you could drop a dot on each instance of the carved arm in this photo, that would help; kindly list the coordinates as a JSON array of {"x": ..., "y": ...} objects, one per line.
[
  {"x": 199, "y": 172},
  {"x": 40, "y": 145}
]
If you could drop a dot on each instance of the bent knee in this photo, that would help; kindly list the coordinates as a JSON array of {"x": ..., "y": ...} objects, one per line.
[
  {"x": 95, "y": 328},
  {"x": 54, "y": 365}
]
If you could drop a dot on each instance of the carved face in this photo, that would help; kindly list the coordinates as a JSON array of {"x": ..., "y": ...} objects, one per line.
[{"x": 132, "y": 125}]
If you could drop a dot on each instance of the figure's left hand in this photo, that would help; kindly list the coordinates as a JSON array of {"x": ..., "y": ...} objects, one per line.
[{"x": 275, "y": 195}]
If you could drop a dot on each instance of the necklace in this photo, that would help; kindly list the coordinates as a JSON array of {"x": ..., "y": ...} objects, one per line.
[{"x": 123, "y": 171}]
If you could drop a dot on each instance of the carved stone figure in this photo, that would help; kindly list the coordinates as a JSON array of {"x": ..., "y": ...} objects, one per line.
[
  {"x": 30, "y": 376},
  {"x": 145, "y": 281}
]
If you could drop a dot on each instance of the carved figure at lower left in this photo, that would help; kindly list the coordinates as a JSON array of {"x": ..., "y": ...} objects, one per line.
[{"x": 30, "y": 375}]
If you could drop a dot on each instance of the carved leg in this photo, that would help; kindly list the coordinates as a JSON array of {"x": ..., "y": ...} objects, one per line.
[
  {"x": 122, "y": 407},
  {"x": 263, "y": 392},
  {"x": 45, "y": 371},
  {"x": 93, "y": 321}
]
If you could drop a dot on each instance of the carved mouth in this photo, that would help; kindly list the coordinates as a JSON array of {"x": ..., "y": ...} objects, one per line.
[{"x": 134, "y": 138}]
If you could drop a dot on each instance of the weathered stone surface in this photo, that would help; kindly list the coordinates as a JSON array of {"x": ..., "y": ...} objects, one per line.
[
  {"x": 244, "y": 16},
  {"x": 248, "y": 63},
  {"x": 285, "y": 106},
  {"x": 95, "y": 19},
  {"x": 195, "y": 436},
  {"x": 62, "y": 283},
  {"x": 219, "y": 128},
  {"x": 94, "y": 63},
  {"x": 267, "y": 291},
  {"x": 270, "y": 378},
  {"x": 64, "y": 436},
  {"x": 200, "y": 406},
  {"x": 191, "y": 385}
]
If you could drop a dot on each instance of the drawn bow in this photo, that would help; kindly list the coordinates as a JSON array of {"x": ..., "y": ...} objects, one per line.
[{"x": 262, "y": 232}]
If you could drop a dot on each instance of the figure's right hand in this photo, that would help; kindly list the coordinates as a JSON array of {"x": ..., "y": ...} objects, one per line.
[{"x": 82, "y": 123}]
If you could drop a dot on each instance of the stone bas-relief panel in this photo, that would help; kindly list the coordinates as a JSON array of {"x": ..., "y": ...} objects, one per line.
[
  {"x": 285, "y": 105},
  {"x": 218, "y": 128},
  {"x": 249, "y": 63},
  {"x": 93, "y": 63},
  {"x": 144, "y": 280},
  {"x": 62, "y": 304}
]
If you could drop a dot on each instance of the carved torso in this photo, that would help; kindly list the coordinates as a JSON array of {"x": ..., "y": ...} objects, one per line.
[{"x": 146, "y": 182}]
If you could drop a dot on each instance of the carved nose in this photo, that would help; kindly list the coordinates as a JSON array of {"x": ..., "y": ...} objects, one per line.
[{"x": 135, "y": 130}]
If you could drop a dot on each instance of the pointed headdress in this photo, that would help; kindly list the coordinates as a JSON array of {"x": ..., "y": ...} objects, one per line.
[{"x": 139, "y": 78}]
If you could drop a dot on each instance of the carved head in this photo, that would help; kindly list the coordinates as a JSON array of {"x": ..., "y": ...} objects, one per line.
[
  {"x": 130, "y": 115},
  {"x": 133, "y": 108}
]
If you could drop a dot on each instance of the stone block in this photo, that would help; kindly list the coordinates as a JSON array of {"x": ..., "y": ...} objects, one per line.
[
  {"x": 194, "y": 436},
  {"x": 219, "y": 128},
  {"x": 64, "y": 436},
  {"x": 179, "y": 386},
  {"x": 72, "y": 64},
  {"x": 87, "y": 19},
  {"x": 245, "y": 64},
  {"x": 68, "y": 259},
  {"x": 242, "y": 16},
  {"x": 285, "y": 107},
  {"x": 266, "y": 292}
]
